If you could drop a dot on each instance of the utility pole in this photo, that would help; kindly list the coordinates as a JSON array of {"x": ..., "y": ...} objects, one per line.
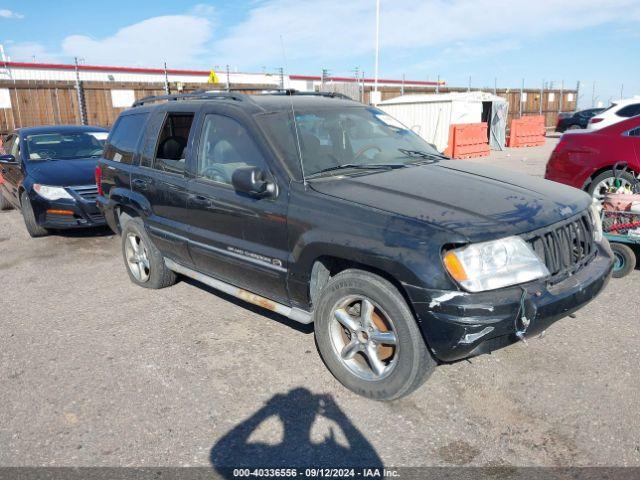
[
  {"x": 402, "y": 86},
  {"x": 281, "y": 76},
  {"x": 575, "y": 109},
  {"x": 593, "y": 95},
  {"x": 80, "y": 92},
  {"x": 375, "y": 74},
  {"x": 323, "y": 78},
  {"x": 561, "y": 96},
  {"x": 521, "y": 97},
  {"x": 495, "y": 85},
  {"x": 438, "y": 84},
  {"x": 621, "y": 91},
  {"x": 541, "y": 96},
  {"x": 229, "y": 79},
  {"x": 166, "y": 80}
]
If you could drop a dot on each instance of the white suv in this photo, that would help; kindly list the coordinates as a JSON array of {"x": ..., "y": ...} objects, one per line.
[{"x": 618, "y": 111}]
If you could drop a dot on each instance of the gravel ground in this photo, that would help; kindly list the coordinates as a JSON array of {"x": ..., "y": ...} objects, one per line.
[{"x": 95, "y": 371}]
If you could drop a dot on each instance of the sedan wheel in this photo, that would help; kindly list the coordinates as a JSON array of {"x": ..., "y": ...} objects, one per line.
[{"x": 606, "y": 182}]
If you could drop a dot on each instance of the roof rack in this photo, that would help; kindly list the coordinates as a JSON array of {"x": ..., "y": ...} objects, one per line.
[
  {"x": 229, "y": 94},
  {"x": 197, "y": 95}
]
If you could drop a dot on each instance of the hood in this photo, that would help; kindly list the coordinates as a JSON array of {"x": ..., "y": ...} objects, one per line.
[
  {"x": 476, "y": 201},
  {"x": 63, "y": 173}
]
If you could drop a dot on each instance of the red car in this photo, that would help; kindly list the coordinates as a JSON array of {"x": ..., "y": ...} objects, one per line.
[{"x": 584, "y": 158}]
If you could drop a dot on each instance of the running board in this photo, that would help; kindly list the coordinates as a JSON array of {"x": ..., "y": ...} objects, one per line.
[{"x": 293, "y": 313}]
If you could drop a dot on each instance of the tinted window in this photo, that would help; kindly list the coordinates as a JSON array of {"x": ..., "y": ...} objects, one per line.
[
  {"x": 171, "y": 153},
  {"x": 225, "y": 146},
  {"x": 629, "y": 111},
  {"x": 635, "y": 132},
  {"x": 124, "y": 138},
  {"x": 150, "y": 139}
]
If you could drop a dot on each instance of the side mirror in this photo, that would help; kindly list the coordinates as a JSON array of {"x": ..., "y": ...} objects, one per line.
[
  {"x": 8, "y": 159},
  {"x": 254, "y": 182}
]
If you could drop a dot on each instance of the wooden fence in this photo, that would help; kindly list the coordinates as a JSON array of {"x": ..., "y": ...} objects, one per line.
[{"x": 56, "y": 102}]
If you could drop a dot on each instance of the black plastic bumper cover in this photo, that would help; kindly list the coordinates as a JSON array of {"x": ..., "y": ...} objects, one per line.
[{"x": 458, "y": 325}]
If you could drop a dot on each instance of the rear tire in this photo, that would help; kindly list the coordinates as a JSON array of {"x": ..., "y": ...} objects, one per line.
[
  {"x": 376, "y": 349},
  {"x": 597, "y": 188},
  {"x": 624, "y": 260},
  {"x": 29, "y": 217},
  {"x": 4, "y": 203},
  {"x": 144, "y": 262}
]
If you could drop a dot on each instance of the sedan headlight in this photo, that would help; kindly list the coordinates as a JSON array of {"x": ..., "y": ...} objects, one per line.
[
  {"x": 51, "y": 193},
  {"x": 490, "y": 265},
  {"x": 596, "y": 219}
]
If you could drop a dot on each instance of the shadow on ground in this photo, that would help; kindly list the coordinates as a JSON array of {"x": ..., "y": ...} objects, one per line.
[{"x": 315, "y": 432}]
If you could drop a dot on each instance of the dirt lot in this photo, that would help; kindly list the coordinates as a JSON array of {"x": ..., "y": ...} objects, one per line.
[{"x": 95, "y": 371}]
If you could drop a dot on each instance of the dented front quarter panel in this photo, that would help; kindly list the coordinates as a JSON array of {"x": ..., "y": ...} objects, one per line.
[{"x": 451, "y": 321}]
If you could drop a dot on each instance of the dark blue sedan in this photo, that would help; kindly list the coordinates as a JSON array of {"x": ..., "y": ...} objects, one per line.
[{"x": 48, "y": 173}]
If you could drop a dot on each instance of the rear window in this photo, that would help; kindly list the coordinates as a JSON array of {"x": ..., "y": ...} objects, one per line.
[
  {"x": 122, "y": 143},
  {"x": 629, "y": 111}
]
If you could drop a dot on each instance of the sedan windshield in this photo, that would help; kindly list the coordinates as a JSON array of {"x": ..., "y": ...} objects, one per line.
[
  {"x": 335, "y": 140},
  {"x": 61, "y": 146}
]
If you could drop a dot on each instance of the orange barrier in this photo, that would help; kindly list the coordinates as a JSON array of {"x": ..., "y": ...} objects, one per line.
[
  {"x": 468, "y": 140},
  {"x": 527, "y": 132}
]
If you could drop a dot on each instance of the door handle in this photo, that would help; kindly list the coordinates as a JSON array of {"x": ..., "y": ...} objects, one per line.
[
  {"x": 200, "y": 201},
  {"x": 140, "y": 183}
]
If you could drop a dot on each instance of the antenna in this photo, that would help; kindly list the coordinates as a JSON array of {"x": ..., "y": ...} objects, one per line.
[{"x": 293, "y": 114}]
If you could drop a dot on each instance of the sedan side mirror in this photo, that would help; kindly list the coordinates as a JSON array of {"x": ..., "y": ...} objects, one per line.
[
  {"x": 8, "y": 159},
  {"x": 254, "y": 182}
]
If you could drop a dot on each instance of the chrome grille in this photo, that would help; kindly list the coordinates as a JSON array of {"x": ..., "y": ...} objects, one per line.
[
  {"x": 565, "y": 247},
  {"x": 87, "y": 192}
]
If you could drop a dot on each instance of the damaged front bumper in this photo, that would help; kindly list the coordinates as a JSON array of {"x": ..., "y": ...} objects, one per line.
[{"x": 458, "y": 324}]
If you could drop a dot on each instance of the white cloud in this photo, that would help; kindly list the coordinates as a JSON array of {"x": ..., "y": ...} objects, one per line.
[
  {"x": 335, "y": 29},
  {"x": 30, "y": 51},
  {"x": 177, "y": 39},
  {"x": 4, "y": 13}
]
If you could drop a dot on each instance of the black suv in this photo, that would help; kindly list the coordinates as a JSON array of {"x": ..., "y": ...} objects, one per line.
[
  {"x": 577, "y": 120},
  {"x": 329, "y": 211}
]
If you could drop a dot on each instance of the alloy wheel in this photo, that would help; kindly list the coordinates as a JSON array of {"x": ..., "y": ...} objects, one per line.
[
  {"x": 137, "y": 257},
  {"x": 363, "y": 338}
]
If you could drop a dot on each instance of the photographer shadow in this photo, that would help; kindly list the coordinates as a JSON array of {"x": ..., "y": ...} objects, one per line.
[{"x": 297, "y": 411}]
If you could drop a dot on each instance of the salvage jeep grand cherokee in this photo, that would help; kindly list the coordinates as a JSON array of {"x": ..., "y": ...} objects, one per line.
[{"x": 328, "y": 211}]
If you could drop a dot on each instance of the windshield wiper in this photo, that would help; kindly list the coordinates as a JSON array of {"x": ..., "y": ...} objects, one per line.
[
  {"x": 359, "y": 166},
  {"x": 423, "y": 155}
]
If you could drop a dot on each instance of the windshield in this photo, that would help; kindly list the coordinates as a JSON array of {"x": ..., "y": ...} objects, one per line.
[
  {"x": 333, "y": 140},
  {"x": 60, "y": 146}
]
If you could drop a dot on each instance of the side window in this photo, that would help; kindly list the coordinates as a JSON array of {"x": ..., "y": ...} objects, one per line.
[
  {"x": 15, "y": 148},
  {"x": 172, "y": 144},
  {"x": 225, "y": 145},
  {"x": 629, "y": 111},
  {"x": 150, "y": 139},
  {"x": 635, "y": 132},
  {"x": 121, "y": 146}
]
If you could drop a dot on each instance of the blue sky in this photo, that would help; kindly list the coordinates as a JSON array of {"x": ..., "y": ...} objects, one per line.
[{"x": 591, "y": 40}]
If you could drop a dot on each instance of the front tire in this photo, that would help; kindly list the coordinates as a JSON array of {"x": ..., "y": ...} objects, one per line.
[
  {"x": 624, "y": 260},
  {"x": 144, "y": 262},
  {"x": 29, "y": 216},
  {"x": 368, "y": 337}
]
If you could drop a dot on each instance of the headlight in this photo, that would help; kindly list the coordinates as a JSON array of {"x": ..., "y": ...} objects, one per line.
[
  {"x": 596, "y": 219},
  {"x": 490, "y": 265},
  {"x": 51, "y": 193}
]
